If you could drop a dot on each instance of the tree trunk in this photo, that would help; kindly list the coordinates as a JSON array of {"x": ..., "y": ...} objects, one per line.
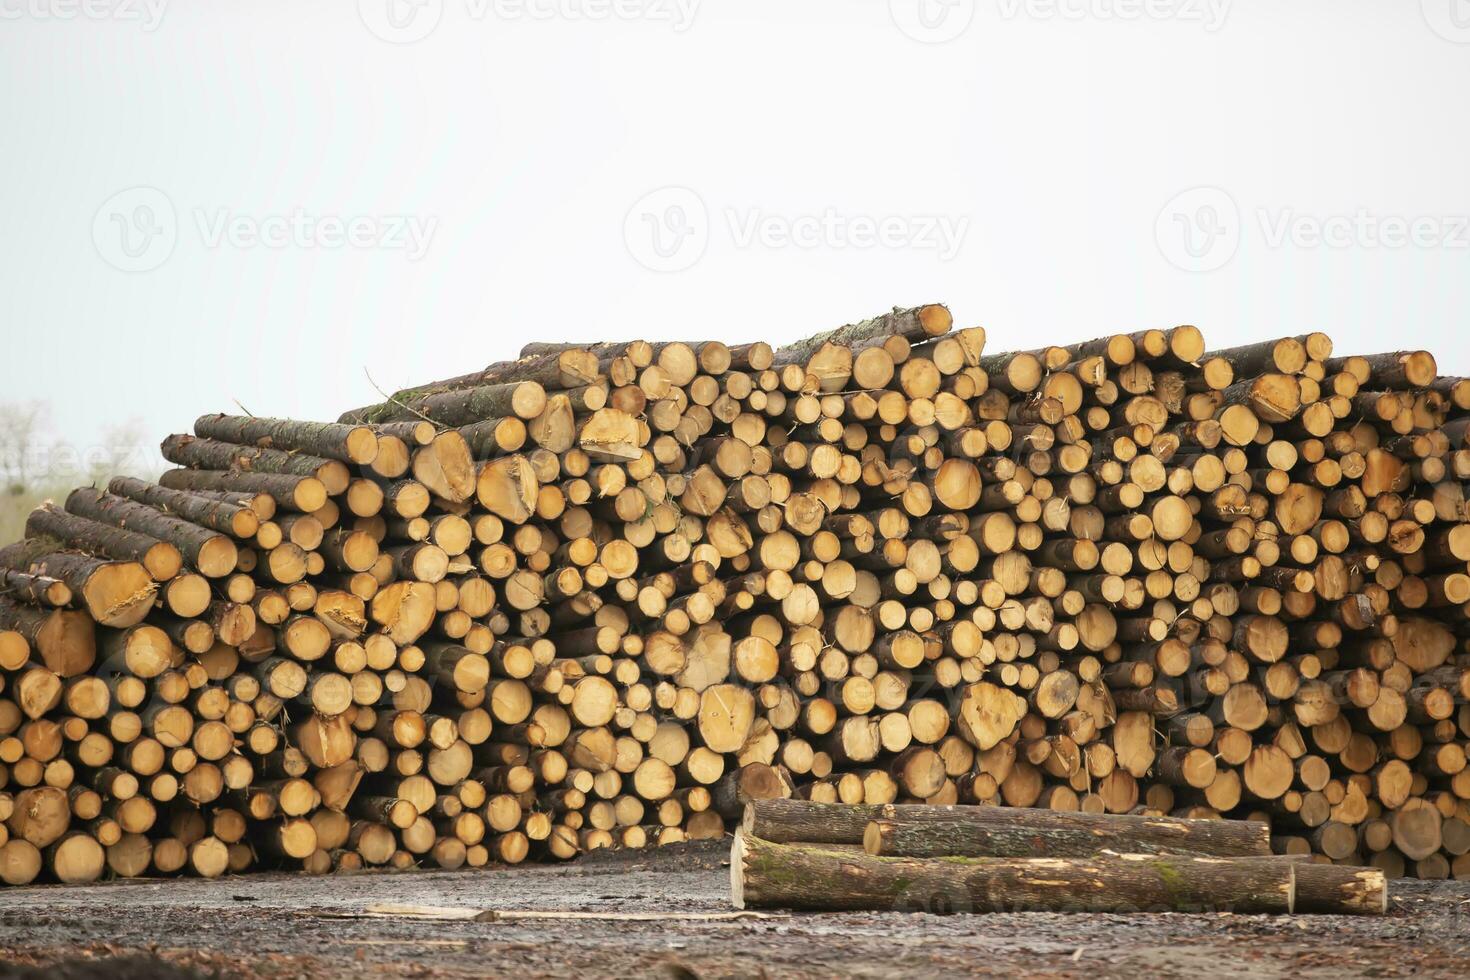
[
  {"x": 237, "y": 520},
  {"x": 213, "y": 554},
  {"x": 349, "y": 443},
  {"x": 767, "y": 875}
]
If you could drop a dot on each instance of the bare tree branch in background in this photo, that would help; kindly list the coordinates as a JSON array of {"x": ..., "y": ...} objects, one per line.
[
  {"x": 22, "y": 425},
  {"x": 36, "y": 466}
]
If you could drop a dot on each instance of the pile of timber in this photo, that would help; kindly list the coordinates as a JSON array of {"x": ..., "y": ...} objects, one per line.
[
  {"x": 606, "y": 595},
  {"x": 950, "y": 859}
]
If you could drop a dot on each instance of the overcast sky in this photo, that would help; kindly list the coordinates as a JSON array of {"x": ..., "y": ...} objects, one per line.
[{"x": 208, "y": 203}]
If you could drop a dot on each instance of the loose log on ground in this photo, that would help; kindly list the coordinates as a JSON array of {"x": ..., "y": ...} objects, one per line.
[{"x": 768, "y": 875}]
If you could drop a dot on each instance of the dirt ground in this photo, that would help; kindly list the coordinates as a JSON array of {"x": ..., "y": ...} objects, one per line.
[{"x": 288, "y": 926}]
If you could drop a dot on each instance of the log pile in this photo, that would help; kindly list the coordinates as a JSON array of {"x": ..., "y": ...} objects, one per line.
[
  {"x": 949, "y": 859},
  {"x": 606, "y": 595}
]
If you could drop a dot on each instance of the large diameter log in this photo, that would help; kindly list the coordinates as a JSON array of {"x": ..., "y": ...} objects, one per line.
[
  {"x": 65, "y": 639},
  {"x": 333, "y": 440},
  {"x": 768, "y": 875},
  {"x": 832, "y": 823},
  {"x": 115, "y": 593},
  {"x": 213, "y": 554},
  {"x": 447, "y": 467}
]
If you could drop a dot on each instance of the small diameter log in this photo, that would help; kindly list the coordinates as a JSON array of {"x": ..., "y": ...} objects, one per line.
[
  {"x": 828, "y": 823},
  {"x": 767, "y": 875},
  {"x": 236, "y": 520},
  {"x": 162, "y": 560},
  {"x": 35, "y": 589},
  {"x": 211, "y": 454},
  {"x": 333, "y": 440},
  {"x": 299, "y": 493},
  {"x": 912, "y": 324}
]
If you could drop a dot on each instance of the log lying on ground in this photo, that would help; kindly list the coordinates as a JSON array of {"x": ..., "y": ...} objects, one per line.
[
  {"x": 930, "y": 831},
  {"x": 767, "y": 875}
]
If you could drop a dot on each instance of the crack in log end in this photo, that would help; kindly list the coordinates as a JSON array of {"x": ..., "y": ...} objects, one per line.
[{"x": 120, "y": 606}]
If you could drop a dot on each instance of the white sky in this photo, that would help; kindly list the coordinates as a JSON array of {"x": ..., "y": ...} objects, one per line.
[{"x": 1055, "y": 138}]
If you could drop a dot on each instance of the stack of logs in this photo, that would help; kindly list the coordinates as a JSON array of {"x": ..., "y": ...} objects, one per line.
[
  {"x": 605, "y": 595},
  {"x": 948, "y": 859}
]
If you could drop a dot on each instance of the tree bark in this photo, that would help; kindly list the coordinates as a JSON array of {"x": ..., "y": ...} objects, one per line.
[
  {"x": 785, "y": 821},
  {"x": 349, "y": 443},
  {"x": 768, "y": 875},
  {"x": 212, "y": 553}
]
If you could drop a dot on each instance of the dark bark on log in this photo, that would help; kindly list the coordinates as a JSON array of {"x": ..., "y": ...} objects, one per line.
[
  {"x": 333, "y": 440},
  {"x": 299, "y": 493},
  {"x": 463, "y": 406},
  {"x": 566, "y": 369},
  {"x": 237, "y": 520},
  {"x": 913, "y": 324},
  {"x": 211, "y": 454},
  {"x": 894, "y": 838},
  {"x": 212, "y": 553},
  {"x": 162, "y": 559}
]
